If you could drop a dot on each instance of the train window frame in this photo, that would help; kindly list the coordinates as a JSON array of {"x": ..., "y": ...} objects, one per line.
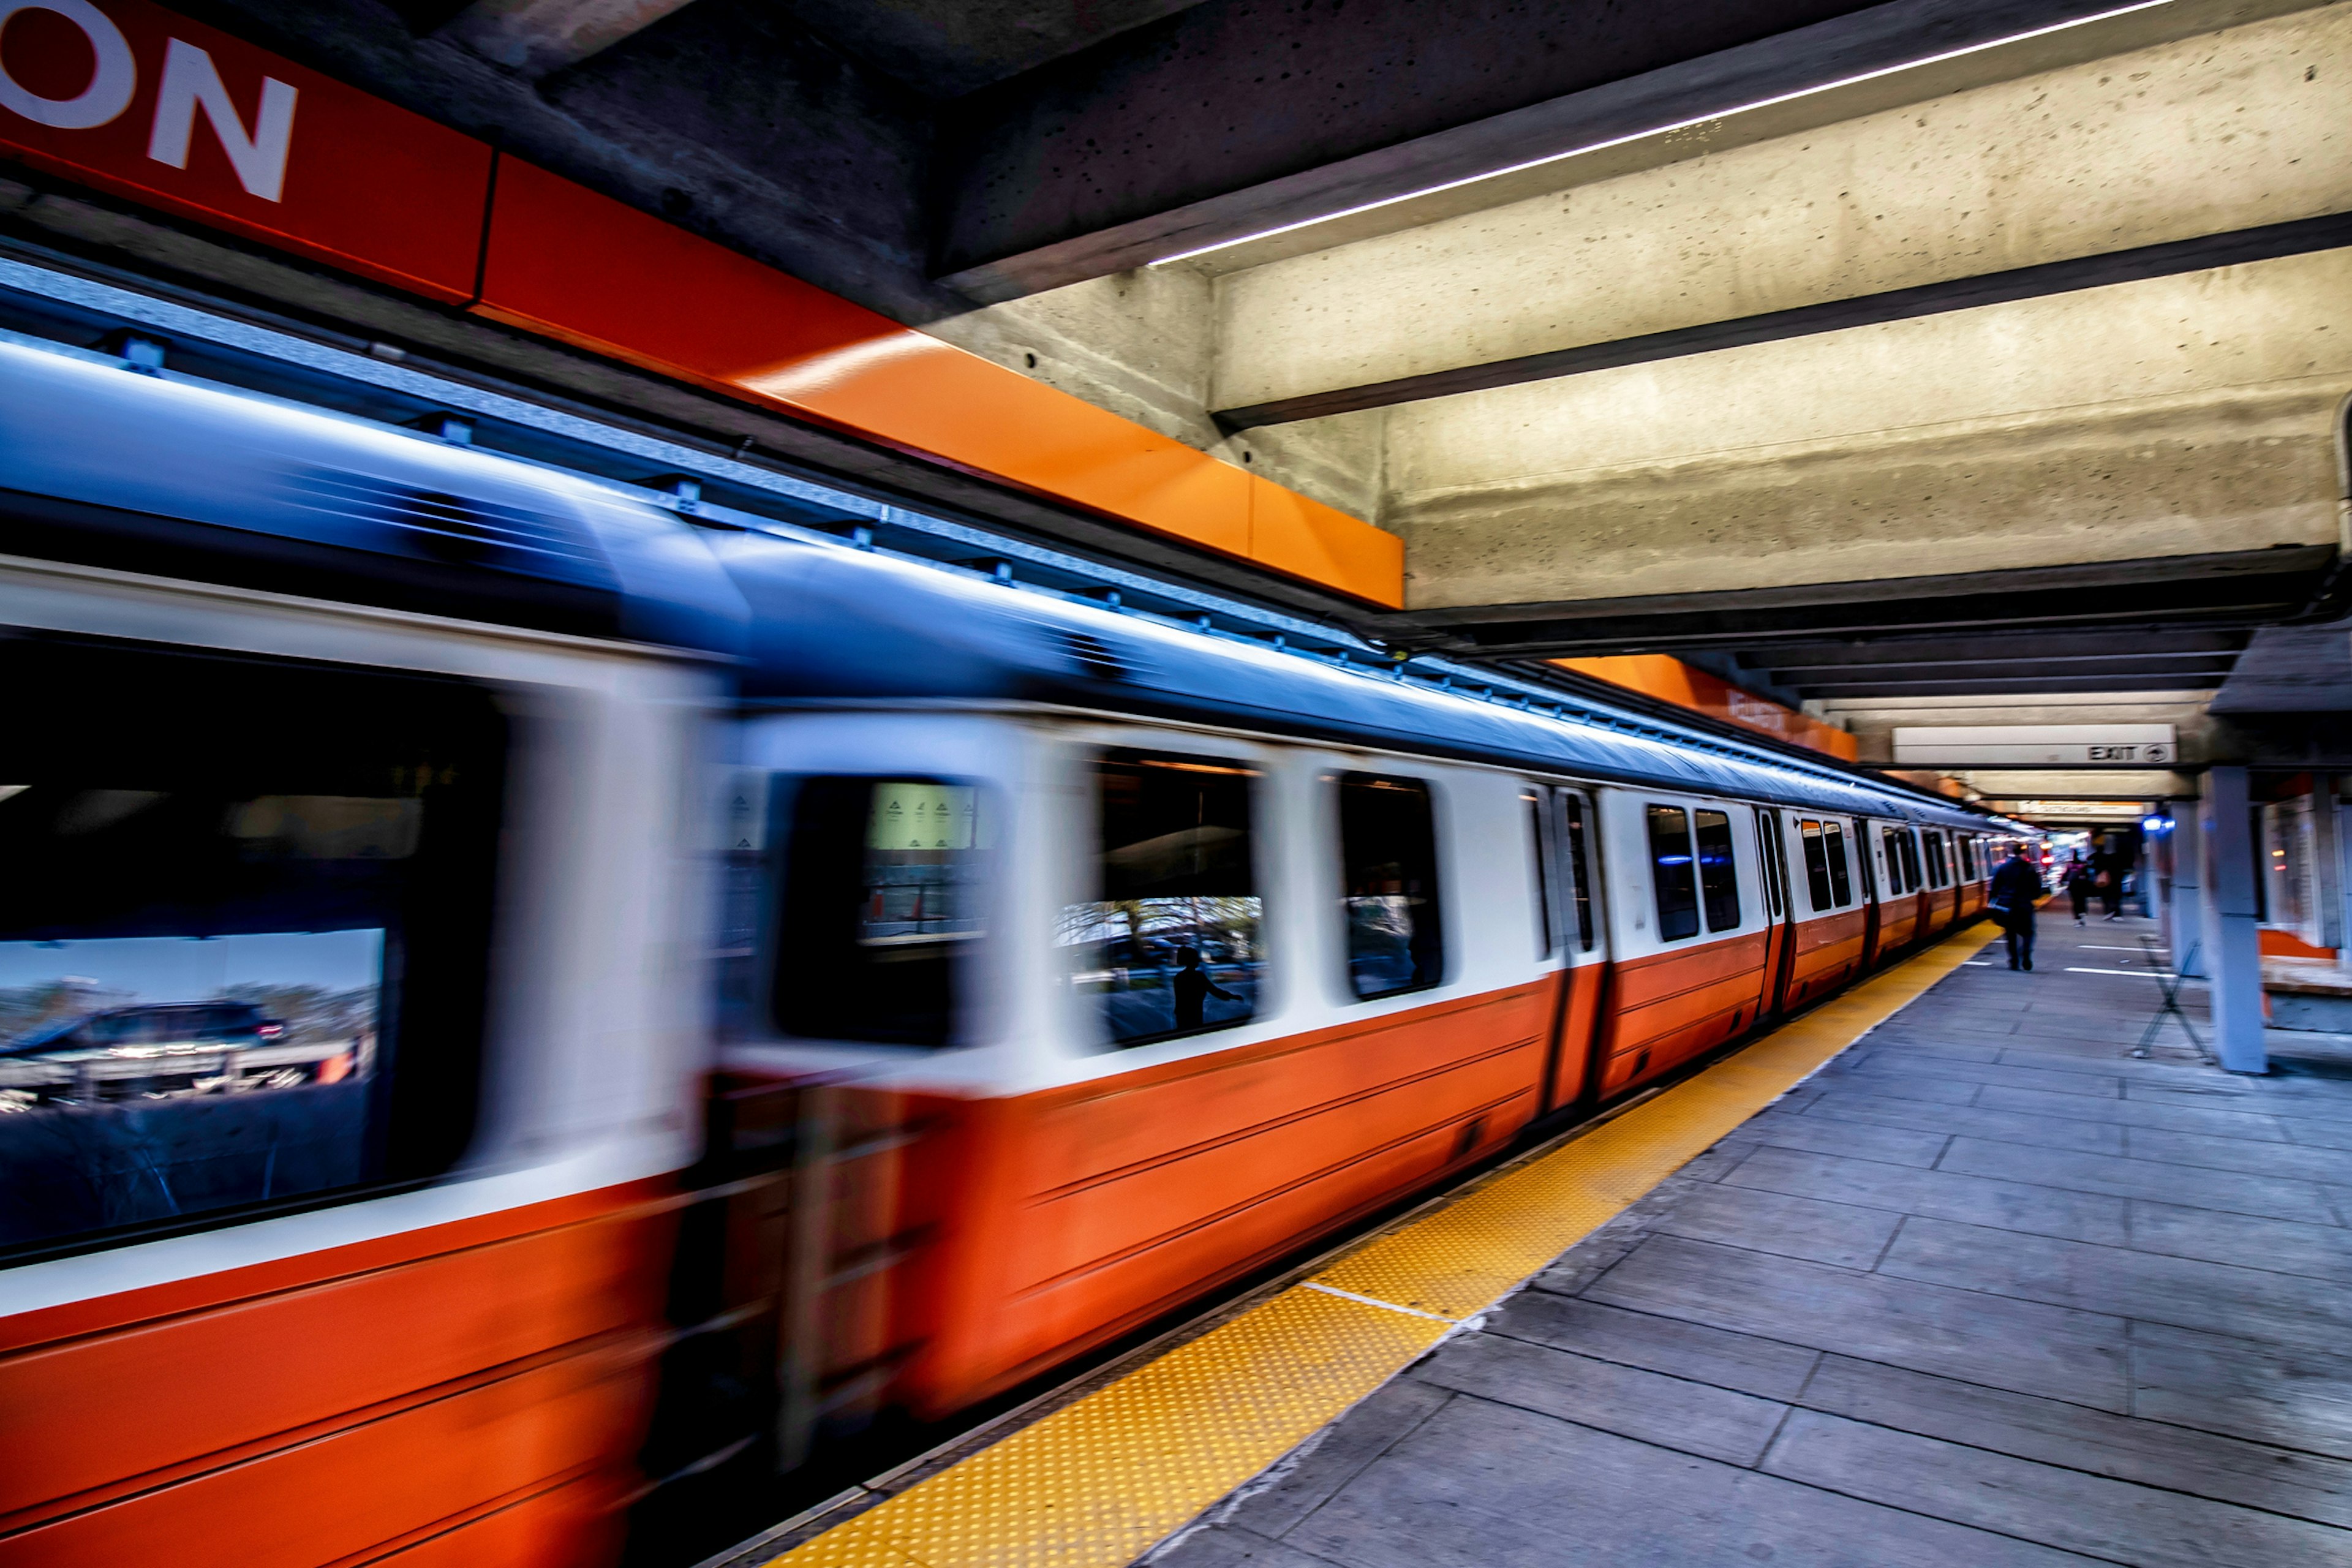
[
  {"x": 806, "y": 924},
  {"x": 1680, "y": 866},
  {"x": 1548, "y": 941},
  {"x": 1575, "y": 819},
  {"x": 1888, "y": 839},
  {"x": 1424, "y": 943},
  {"x": 1834, "y": 839},
  {"x": 419, "y": 850},
  {"x": 1907, "y": 842},
  {"x": 1248, "y": 783},
  {"x": 1812, "y": 837},
  {"x": 1769, "y": 870},
  {"x": 1718, "y": 877}
]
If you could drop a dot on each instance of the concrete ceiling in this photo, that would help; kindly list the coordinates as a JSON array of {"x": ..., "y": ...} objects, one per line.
[{"x": 1928, "y": 352}]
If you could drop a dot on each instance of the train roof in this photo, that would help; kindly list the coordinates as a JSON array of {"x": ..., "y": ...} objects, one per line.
[
  {"x": 830, "y": 623},
  {"x": 108, "y": 466},
  {"x": 233, "y": 487}
]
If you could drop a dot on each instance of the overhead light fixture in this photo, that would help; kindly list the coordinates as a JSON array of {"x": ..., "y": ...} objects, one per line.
[{"x": 1647, "y": 131}]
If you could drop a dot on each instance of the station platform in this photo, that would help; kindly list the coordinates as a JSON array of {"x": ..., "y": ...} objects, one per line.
[{"x": 1939, "y": 1273}]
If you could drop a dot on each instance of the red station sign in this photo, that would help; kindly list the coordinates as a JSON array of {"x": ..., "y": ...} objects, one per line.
[{"x": 128, "y": 98}]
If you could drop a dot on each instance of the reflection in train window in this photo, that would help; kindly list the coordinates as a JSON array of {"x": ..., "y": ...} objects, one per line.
[
  {"x": 1671, "y": 872},
  {"x": 1817, "y": 867},
  {"x": 1388, "y": 867},
  {"x": 882, "y": 907},
  {"x": 1170, "y": 942},
  {"x": 1841, "y": 877},
  {"x": 1718, "y": 877},
  {"x": 243, "y": 933}
]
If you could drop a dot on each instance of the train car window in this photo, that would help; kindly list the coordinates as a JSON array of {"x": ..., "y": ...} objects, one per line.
[
  {"x": 244, "y": 934},
  {"x": 881, "y": 908},
  {"x": 1547, "y": 911},
  {"x": 1580, "y": 875},
  {"x": 1719, "y": 876},
  {"x": 1817, "y": 867},
  {"x": 1967, "y": 856},
  {"x": 1940, "y": 866},
  {"x": 1907, "y": 842},
  {"x": 1672, "y": 872},
  {"x": 1171, "y": 942},
  {"x": 1841, "y": 877},
  {"x": 1388, "y": 847},
  {"x": 1895, "y": 882}
]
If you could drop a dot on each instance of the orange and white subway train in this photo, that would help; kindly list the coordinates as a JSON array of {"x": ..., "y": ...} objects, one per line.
[{"x": 510, "y": 1000}]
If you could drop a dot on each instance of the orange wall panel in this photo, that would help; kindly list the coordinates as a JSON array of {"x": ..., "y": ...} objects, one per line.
[
  {"x": 653, "y": 294},
  {"x": 1669, "y": 679},
  {"x": 1297, "y": 534}
]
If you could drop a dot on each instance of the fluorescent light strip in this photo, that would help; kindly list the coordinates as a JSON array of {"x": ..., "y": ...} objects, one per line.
[{"x": 1789, "y": 97}]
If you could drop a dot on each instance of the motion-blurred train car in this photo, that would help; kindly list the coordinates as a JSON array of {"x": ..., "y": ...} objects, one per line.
[{"x": 724, "y": 987}]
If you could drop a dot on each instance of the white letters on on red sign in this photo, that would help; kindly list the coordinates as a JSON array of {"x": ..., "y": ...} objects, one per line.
[
  {"x": 111, "y": 85},
  {"x": 190, "y": 82}
]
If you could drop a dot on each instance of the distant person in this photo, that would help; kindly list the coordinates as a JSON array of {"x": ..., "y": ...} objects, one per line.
[
  {"x": 2081, "y": 880},
  {"x": 1194, "y": 988},
  {"x": 2111, "y": 887},
  {"x": 2015, "y": 887}
]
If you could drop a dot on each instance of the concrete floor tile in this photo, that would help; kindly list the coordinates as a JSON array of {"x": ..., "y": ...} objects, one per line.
[
  {"x": 2007, "y": 1126},
  {"x": 1224, "y": 1546},
  {"x": 2322, "y": 1251},
  {"x": 2220, "y": 1382},
  {"x": 2002, "y": 1343},
  {"x": 2279, "y": 1197},
  {"x": 1671, "y": 1412},
  {"x": 2133, "y": 1110},
  {"x": 2186, "y": 1292},
  {"x": 2152, "y": 1453},
  {"x": 2117, "y": 1520},
  {"x": 2259, "y": 1157},
  {"x": 1940, "y": 1195},
  {"x": 1305, "y": 1481},
  {"x": 1485, "y": 1486},
  {"x": 1770, "y": 1220},
  {"x": 1763, "y": 1367}
]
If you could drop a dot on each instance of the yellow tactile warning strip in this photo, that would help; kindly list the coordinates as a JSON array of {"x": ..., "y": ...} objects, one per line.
[{"x": 1099, "y": 1482}]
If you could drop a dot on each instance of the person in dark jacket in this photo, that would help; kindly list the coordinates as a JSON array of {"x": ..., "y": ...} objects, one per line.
[
  {"x": 2014, "y": 889},
  {"x": 2081, "y": 881}
]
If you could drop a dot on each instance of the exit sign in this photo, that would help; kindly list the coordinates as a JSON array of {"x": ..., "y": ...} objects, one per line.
[{"x": 2037, "y": 746}]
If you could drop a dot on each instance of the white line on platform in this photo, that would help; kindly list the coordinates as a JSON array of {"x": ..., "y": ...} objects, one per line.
[
  {"x": 1376, "y": 1301},
  {"x": 2135, "y": 973},
  {"x": 2094, "y": 947}
]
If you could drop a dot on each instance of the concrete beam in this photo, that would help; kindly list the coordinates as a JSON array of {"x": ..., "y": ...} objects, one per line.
[
  {"x": 2196, "y": 153},
  {"x": 1272, "y": 130},
  {"x": 535, "y": 37},
  {"x": 2180, "y": 416}
]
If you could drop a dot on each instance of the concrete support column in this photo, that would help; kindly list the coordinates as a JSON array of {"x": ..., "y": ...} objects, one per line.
[
  {"x": 2184, "y": 908},
  {"x": 2233, "y": 952}
]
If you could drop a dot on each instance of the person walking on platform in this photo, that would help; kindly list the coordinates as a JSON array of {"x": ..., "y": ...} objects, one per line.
[
  {"x": 2080, "y": 879},
  {"x": 2015, "y": 887}
]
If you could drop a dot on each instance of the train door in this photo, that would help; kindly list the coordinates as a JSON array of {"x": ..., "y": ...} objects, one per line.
[
  {"x": 1866, "y": 859},
  {"x": 1772, "y": 858},
  {"x": 1568, "y": 841}
]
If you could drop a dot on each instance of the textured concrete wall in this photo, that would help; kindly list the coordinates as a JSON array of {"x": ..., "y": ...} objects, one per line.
[
  {"x": 2214, "y": 133},
  {"x": 2177, "y": 415}
]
